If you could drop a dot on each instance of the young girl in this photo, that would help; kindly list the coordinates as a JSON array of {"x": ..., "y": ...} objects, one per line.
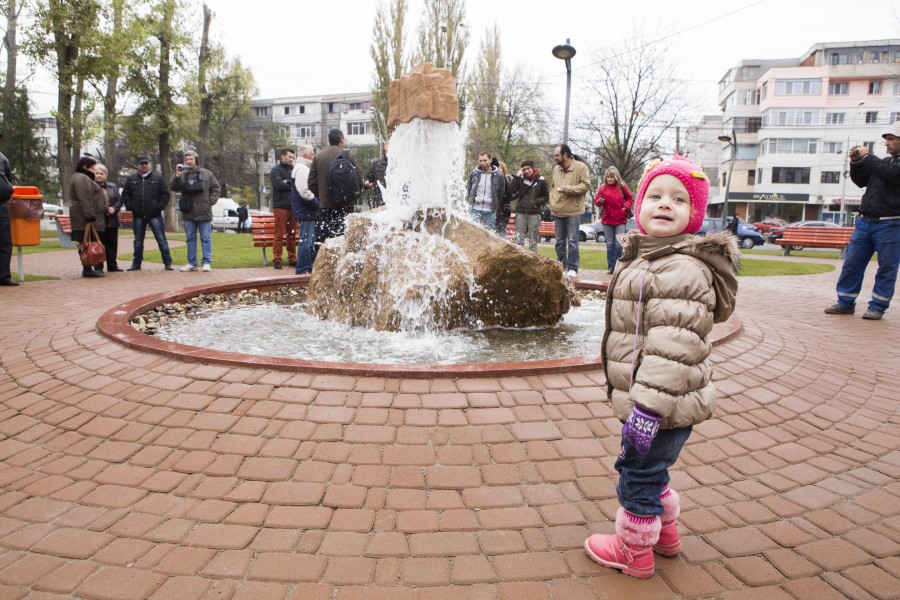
[
  {"x": 614, "y": 199},
  {"x": 668, "y": 290}
]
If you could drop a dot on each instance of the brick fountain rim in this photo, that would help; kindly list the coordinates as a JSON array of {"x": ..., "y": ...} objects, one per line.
[{"x": 115, "y": 325}]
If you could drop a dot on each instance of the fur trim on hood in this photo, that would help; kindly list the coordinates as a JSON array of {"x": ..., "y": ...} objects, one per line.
[{"x": 718, "y": 249}]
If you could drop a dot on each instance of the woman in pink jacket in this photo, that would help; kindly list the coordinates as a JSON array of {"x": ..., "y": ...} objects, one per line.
[{"x": 615, "y": 202}]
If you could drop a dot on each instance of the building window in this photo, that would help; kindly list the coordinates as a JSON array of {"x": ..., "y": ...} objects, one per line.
[
  {"x": 751, "y": 177},
  {"x": 834, "y": 118},
  {"x": 746, "y": 124},
  {"x": 895, "y": 116},
  {"x": 358, "y": 106},
  {"x": 874, "y": 88},
  {"x": 831, "y": 176},
  {"x": 790, "y": 174},
  {"x": 305, "y": 131},
  {"x": 793, "y": 146},
  {"x": 778, "y": 117},
  {"x": 838, "y": 88},
  {"x": 840, "y": 58},
  {"x": 331, "y": 107},
  {"x": 294, "y": 110},
  {"x": 724, "y": 179},
  {"x": 872, "y": 116},
  {"x": 897, "y": 56},
  {"x": 870, "y": 146},
  {"x": 832, "y": 147},
  {"x": 897, "y": 88},
  {"x": 798, "y": 87},
  {"x": 261, "y": 111},
  {"x": 360, "y": 128},
  {"x": 746, "y": 152},
  {"x": 874, "y": 57}
]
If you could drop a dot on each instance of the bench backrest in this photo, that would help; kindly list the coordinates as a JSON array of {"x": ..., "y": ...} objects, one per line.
[
  {"x": 65, "y": 222},
  {"x": 818, "y": 234},
  {"x": 264, "y": 230}
]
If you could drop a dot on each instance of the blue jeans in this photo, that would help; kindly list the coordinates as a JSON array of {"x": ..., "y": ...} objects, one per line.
[
  {"x": 157, "y": 226},
  {"x": 306, "y": 247},
  {"x": 205, "y": 229},
  {"x": 567, "y": 239},
  {"x": 613, "y": 247},
  {"x": 485, "y": 218},
  {"x": 642, "y": 477},
  {"x": 868, "y": 238}
]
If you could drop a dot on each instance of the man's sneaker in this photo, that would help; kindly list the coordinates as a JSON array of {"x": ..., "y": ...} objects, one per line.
[
  {"x": 872, "y": 315},
  {"x": 277, "y": 264},
  {"x": 170, "y": 268},
  {"x": 187, "y": 268},
  {"x": 837, "y": 309},
  {"x": 207, "y": 268},
  {"x": 571, "y": 274},
  {"x": 134, "y": 267}
]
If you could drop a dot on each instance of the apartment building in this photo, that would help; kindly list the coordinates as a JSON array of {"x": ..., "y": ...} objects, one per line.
[
  {"x": 307, "y": 119},
  {"x": 791, "y": 123}
]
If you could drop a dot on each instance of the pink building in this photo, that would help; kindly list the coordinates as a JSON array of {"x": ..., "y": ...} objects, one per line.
[{"x": 793, "y": 120}]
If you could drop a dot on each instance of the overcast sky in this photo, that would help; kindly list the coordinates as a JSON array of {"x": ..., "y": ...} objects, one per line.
[{"x": 307, "y": 47}]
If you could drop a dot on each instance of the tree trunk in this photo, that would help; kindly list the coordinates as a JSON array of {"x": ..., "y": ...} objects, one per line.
[
  {"x": 65, "y": 57},
  {"x": 205, "y": 101},
  {"x": 12, "y": 50},
  {"x": 78, "y": 120},
  {"x": 165, "y": 106},
  {"x": 109, "y": 104}
]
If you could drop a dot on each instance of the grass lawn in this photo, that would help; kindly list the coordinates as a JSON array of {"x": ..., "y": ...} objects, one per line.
[
  {"x": 595, "y": 260},
  {"x": 230, "y": 251}
]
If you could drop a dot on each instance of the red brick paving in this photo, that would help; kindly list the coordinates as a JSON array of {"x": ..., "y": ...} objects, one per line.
[{"x": 127, "y": 475}]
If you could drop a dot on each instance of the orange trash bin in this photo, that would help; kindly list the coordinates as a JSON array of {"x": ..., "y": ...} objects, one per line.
[{"x": 26, "y": 208}]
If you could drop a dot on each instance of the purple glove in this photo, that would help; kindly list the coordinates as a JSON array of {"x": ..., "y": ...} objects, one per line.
[{"x": 641, "y": 428}]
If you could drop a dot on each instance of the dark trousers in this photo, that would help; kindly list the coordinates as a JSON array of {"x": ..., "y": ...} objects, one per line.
[
  {"x": 331, "y": 223},
  {"x": 242, "y": 226},
  {"x": 110, "y": 239},
  {"x": 5, "y": 243}
]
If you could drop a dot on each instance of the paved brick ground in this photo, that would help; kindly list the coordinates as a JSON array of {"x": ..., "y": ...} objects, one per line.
[{"x": 125, "y": 475}]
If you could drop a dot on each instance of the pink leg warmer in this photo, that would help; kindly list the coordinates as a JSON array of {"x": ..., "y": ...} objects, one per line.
[
  {"x": 671, "y": 505},
  {"x": 637, "y": 531}
]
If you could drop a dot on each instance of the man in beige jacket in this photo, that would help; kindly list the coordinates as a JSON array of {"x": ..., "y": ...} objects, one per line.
[{"x": 571, "y": 181}]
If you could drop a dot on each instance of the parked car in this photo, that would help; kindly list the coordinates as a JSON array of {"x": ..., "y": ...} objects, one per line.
[
  {"x": 748, "y": 236},
  {"x": 775, "y": 233},
  {"x": 225, "y": 215},
  {"x": 52, "y": 209},
  {"x": 591, "y": 231},
  {"x": 767, "y": 224}
]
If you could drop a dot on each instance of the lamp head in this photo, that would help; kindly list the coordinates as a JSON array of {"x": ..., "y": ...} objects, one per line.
[
  {"x": 564, "y": 51},
  {"x": 726, "y": 139}
]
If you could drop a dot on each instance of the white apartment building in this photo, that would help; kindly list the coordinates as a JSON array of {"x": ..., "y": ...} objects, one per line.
[
  {"x": 307, "y": 119},
  {"x": 792, "y": 121}
]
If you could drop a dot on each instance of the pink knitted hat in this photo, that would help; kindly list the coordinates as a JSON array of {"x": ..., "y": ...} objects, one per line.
[{"x": 694, "y": 180}]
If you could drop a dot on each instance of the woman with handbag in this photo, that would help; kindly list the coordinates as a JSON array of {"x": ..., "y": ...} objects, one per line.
[
  {"x": 615, "y": 202},
  {"x": 87, "y": 207}
]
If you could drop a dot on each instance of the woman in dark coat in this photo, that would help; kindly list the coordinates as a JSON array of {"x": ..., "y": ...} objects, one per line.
[
  {"x": 87, "y": 204},
  {"x": 111, "y": 216}
]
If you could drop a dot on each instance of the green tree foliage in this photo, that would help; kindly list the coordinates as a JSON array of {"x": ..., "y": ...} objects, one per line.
[
  {"x": 388, "y": 42},
  {"x": 27, "y": 152},
  {"x": 634, "y": 100}
]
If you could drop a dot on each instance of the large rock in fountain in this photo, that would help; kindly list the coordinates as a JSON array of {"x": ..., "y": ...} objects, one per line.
[
  {"x": 433, "y": 274},
  {"x": 425, "y": 92}
]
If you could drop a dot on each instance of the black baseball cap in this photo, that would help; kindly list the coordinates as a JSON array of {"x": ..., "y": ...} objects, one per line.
[{"x": 143, "y": 159}]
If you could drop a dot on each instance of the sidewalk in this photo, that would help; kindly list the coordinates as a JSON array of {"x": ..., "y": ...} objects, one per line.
[{"x": 126, "y": 475}]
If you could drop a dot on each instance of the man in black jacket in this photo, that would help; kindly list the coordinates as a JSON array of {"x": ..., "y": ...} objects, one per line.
[
  {"x": 877, "y": 229},
  {"x": 285, "y": 225},
  {"x": 5, "y": 230},
  {"x": 375, "y": 176},
  {"x": 146, "y": 195}
]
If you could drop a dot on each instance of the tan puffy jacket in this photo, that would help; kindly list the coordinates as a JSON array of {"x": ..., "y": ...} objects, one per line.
[{"x": 677, "y": 287}]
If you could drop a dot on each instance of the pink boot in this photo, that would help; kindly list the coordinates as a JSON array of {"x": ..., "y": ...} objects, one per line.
[
  {"x": 630, "y": 549},
  {"x": 669, "y": 543}
]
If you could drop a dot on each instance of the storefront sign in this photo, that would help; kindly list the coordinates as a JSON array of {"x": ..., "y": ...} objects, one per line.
[{"x": 767, "y": 197}]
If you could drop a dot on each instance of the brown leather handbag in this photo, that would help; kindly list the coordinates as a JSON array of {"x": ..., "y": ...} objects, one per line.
[{"x": 91, "y": 250}]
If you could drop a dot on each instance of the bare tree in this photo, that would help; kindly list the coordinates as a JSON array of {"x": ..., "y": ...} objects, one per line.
[
  {"x": 443, "y": 39},
  {"x": 11, "y": 46},
  {"x": 388, "y": 42},
  {"x": 205, "y": 100},
  {"x": 634, "y": 100}
]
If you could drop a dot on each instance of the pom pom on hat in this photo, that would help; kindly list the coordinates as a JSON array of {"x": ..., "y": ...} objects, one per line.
[{"x": 695, "y": 181}]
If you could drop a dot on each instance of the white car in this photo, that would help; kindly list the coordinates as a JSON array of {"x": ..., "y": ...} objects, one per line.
[{"x": 52, "y": 209}]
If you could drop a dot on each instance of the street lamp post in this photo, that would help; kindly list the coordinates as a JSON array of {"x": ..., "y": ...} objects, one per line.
[
  {"x": 732, "y": 142},
  {"x": 845, "y": 174},
  {"x": 566, "y": 52}
]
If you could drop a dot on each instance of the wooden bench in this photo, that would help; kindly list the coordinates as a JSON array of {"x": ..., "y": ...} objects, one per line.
[
  {"x": 263, "y": 234},
  {"x": 64, "y": 227},
  {"x": 797, "y": 238}
]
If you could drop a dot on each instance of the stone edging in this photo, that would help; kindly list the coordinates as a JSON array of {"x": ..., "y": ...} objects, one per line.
[{"x": 115, "y": 325}]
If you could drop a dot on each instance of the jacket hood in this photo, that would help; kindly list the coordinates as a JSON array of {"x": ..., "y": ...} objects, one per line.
[{"x": 719, "y": 250}]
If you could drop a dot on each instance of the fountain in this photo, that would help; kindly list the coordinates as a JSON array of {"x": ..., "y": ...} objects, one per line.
[{"x": 420, "y": 265}]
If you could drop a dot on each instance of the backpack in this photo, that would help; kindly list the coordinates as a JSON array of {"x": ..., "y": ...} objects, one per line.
[{"x": 343, "y": 182}]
